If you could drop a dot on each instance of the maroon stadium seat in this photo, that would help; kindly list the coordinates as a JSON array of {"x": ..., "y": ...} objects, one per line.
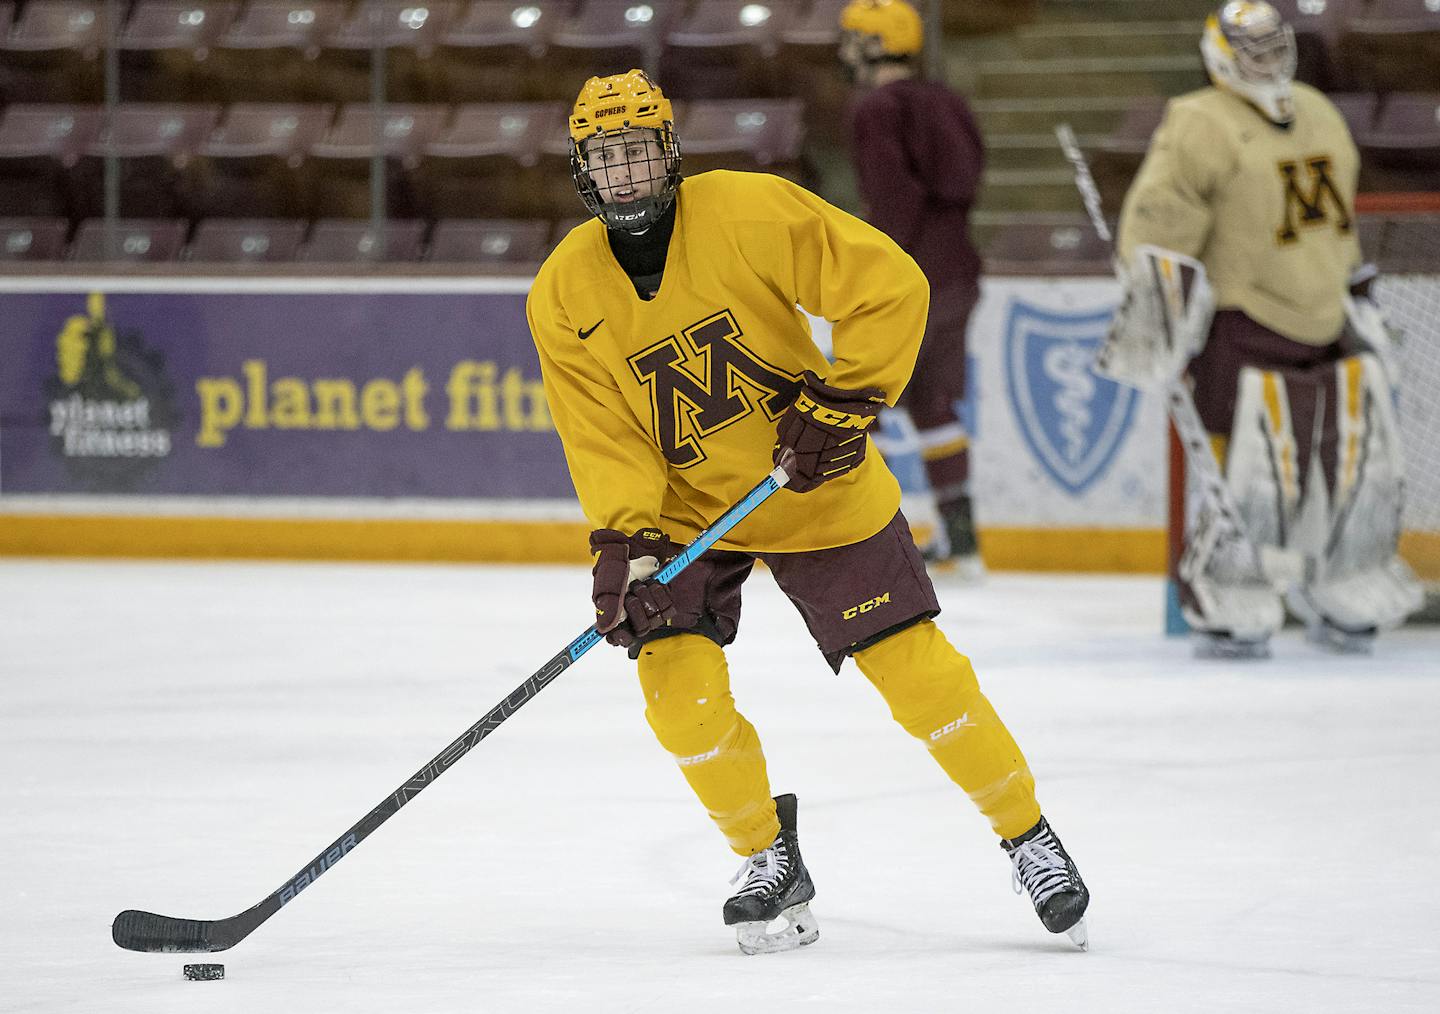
[
  {"x": 1317, "y": 25},
  {"x": 154, "y": 143},
  {"x": 485, "y": 163},
  {"x": 1393, "y": 45},
  {"x": 337, "y": 171},
  {"x": 723, "y": 49},
  {"x": 39, "y": 145},
  {"x": 1116, "y": 158},
  {"x": 808, "y": 60},
  {"x": 406, "y": 30},
  {"x": 51, "y": 53},
  {"x": 136, "y": 240},
  {"x": 33, "y": 239},
  {"x": 1061, "y": 244},
  {"x": 249, "y": 164},
  {"x": 1358, "y": 109},
  {"x": 1402, "y": 149},
  {"x": 267, "y": 54},
  {"x": 339, "y": 241},
  {"x": 492, "y": 51},
  {"x": 494, "y": 241},
  {"x": 246, "y": 241},
  {"x": 747, "y": 134},
  {"x": 162, "y": 44},
  {"x": 603, "y": 37}
]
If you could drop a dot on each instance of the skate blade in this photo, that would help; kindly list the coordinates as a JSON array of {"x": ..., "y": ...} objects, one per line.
[
  {"x": 1207, "y": 646},
  {"x": 1079, "y": 935},
  {"x": 800, "y": 929},
  {"x": 1341, "y": 642}
]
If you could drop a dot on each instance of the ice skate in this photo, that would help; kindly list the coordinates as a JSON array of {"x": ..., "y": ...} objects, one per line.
[
  {"x": 955, "y": 551},
  {"x": 1046, "y": 870},
  {"x": 1220, "y": 644},
  {"x": 1337, "y": 640},
  {"x": 776, "y": 887}
]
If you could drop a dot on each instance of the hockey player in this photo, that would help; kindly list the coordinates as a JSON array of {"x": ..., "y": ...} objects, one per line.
[
  {"x": 678, "y": 368},
  {"x": 918, "y": 158},
  {"x": 1238, "y": 246}
]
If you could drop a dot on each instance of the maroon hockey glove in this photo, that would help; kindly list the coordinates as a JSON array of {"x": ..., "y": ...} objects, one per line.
[
  {"x": 627, "y": 605},
  {"x": 825, "y": 428}
]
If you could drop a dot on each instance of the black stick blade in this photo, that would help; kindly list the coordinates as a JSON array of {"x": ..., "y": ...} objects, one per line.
[{"x": 146, "y": 931}]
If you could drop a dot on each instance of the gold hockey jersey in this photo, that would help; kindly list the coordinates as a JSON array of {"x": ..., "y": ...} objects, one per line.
[
  {"x": 1270, "y": 212},
  {"x": 667, "y": 408}
]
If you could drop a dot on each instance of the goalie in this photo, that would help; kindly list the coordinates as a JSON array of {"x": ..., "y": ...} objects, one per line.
[{"x": 1241, "y": 268}]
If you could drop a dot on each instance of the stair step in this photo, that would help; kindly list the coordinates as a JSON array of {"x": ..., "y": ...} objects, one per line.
[
  {"x": 1089, "y": 78},
  {"x": 1110, "y": 39},
  {"x": 1123, "y": 10},
  {"x": 1098, "y": 116}
]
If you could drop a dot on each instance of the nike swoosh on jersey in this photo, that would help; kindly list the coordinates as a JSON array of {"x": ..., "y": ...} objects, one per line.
[{"x": 586, "y": 332}]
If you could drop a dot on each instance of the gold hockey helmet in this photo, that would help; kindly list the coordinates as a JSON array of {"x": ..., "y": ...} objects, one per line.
[
  {"x": 610, "y": 106},
  {"x": 894, "y": 22}
]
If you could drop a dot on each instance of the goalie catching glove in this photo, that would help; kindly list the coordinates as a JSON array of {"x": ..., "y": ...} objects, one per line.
[
  {"x": 825, "y": 429},
  {"x": 627, "y": 604}
]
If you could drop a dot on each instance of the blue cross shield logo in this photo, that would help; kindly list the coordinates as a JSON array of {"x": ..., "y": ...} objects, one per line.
[{"x": 1073, "y": 420}]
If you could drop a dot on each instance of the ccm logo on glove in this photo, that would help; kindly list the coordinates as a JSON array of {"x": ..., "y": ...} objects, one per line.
[
  {"x": 628, "y": 605},
  {"x": 825, "y": 429}
]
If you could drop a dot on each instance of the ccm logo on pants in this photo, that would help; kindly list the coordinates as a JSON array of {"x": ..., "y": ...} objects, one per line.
[{"x": 865, "y": 607}]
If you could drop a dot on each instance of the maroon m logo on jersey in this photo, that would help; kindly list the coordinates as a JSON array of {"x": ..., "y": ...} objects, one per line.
[
  {"x": 1308, "y": 210},
  {"x": 704, "y": 380}
]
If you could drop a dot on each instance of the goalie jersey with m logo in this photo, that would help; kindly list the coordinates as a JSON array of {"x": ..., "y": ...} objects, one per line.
[
  {"x": 667, "y": 407},
  {"x": 1269, "y": 210}
]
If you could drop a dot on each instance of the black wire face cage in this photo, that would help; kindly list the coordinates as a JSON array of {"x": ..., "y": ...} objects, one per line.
[{"x": 636, "y": 215}]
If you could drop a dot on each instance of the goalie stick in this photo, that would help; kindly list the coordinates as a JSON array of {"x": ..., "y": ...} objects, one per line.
[
  {"x": 146, "y": 931},
  {"x": 1181, "y": 405}
]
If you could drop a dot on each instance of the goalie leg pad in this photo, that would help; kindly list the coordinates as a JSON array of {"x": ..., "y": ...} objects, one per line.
[{"x": 1359, "y": 582}]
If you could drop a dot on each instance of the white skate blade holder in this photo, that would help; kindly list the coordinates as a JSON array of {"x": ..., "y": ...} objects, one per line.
[
  {"x": 1079, "y": 935},
  {"x": 795, "y": 927}
]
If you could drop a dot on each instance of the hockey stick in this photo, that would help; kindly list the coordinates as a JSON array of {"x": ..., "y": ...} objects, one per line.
[
  {"x": 1178, "y": 399},
  {"x": 146, "y": 931}
]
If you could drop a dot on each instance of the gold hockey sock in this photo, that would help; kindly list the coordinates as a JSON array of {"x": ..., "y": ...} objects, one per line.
[
  {"x": 932, "y": 692},
  {"x": 688, "y": 705}
]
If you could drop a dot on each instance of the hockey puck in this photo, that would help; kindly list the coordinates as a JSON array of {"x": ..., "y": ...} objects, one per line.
[{"x": 201, "y": 973}]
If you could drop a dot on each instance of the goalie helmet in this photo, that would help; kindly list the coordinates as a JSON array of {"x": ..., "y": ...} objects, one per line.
[
  {"x": 877, "y": 31},
  {"x": 624, "y": 157},
  {"x": 1250, "y": 51}
]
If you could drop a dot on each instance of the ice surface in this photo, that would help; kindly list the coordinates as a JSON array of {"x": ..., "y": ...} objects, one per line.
[{"x": 184, "y": 737}]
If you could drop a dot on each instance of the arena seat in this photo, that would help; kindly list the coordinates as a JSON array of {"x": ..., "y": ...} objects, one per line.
[
  {"x": 136, "y": 240},
  {"x": 1393, "y": 45},
  {"x": 602, "y": 37},
  {"x": 246, "y": 241},
  {"x": 747, "y": 134},
  {"x": 484, "y": 164},
  {"x": 808, "y": 59},
  {"x": 52, "y": 53},
  {"x": 343, "y": 241},
  {"x": 267, "y": 53},
  {"x": 336, "y": 171},
  {"x": 163, "y": 42},
  {"x": 1116, "y": 158},
  {"x": 407, "y": 32},
  {"x": 494, "y": 241},
  {"x": 249, "y": 164},
  {"x": 491, "y": 51},
  {"x": 1358, "y": 109},
  {"x": 1055, "y": 244},
  {"x": 1408, "y": 243},
  {"x": 153, "y": 143},
  {"x": 39, "y": 145},
  {"x": 33, "y": 239},
  {"x": 726, "y": 49},
  {"x": 1317, "y": 25},
  {"x": 1402, "y": 149}
]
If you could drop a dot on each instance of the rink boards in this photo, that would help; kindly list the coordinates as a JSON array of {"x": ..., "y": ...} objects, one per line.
[{"x": 402, "y": 418}]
